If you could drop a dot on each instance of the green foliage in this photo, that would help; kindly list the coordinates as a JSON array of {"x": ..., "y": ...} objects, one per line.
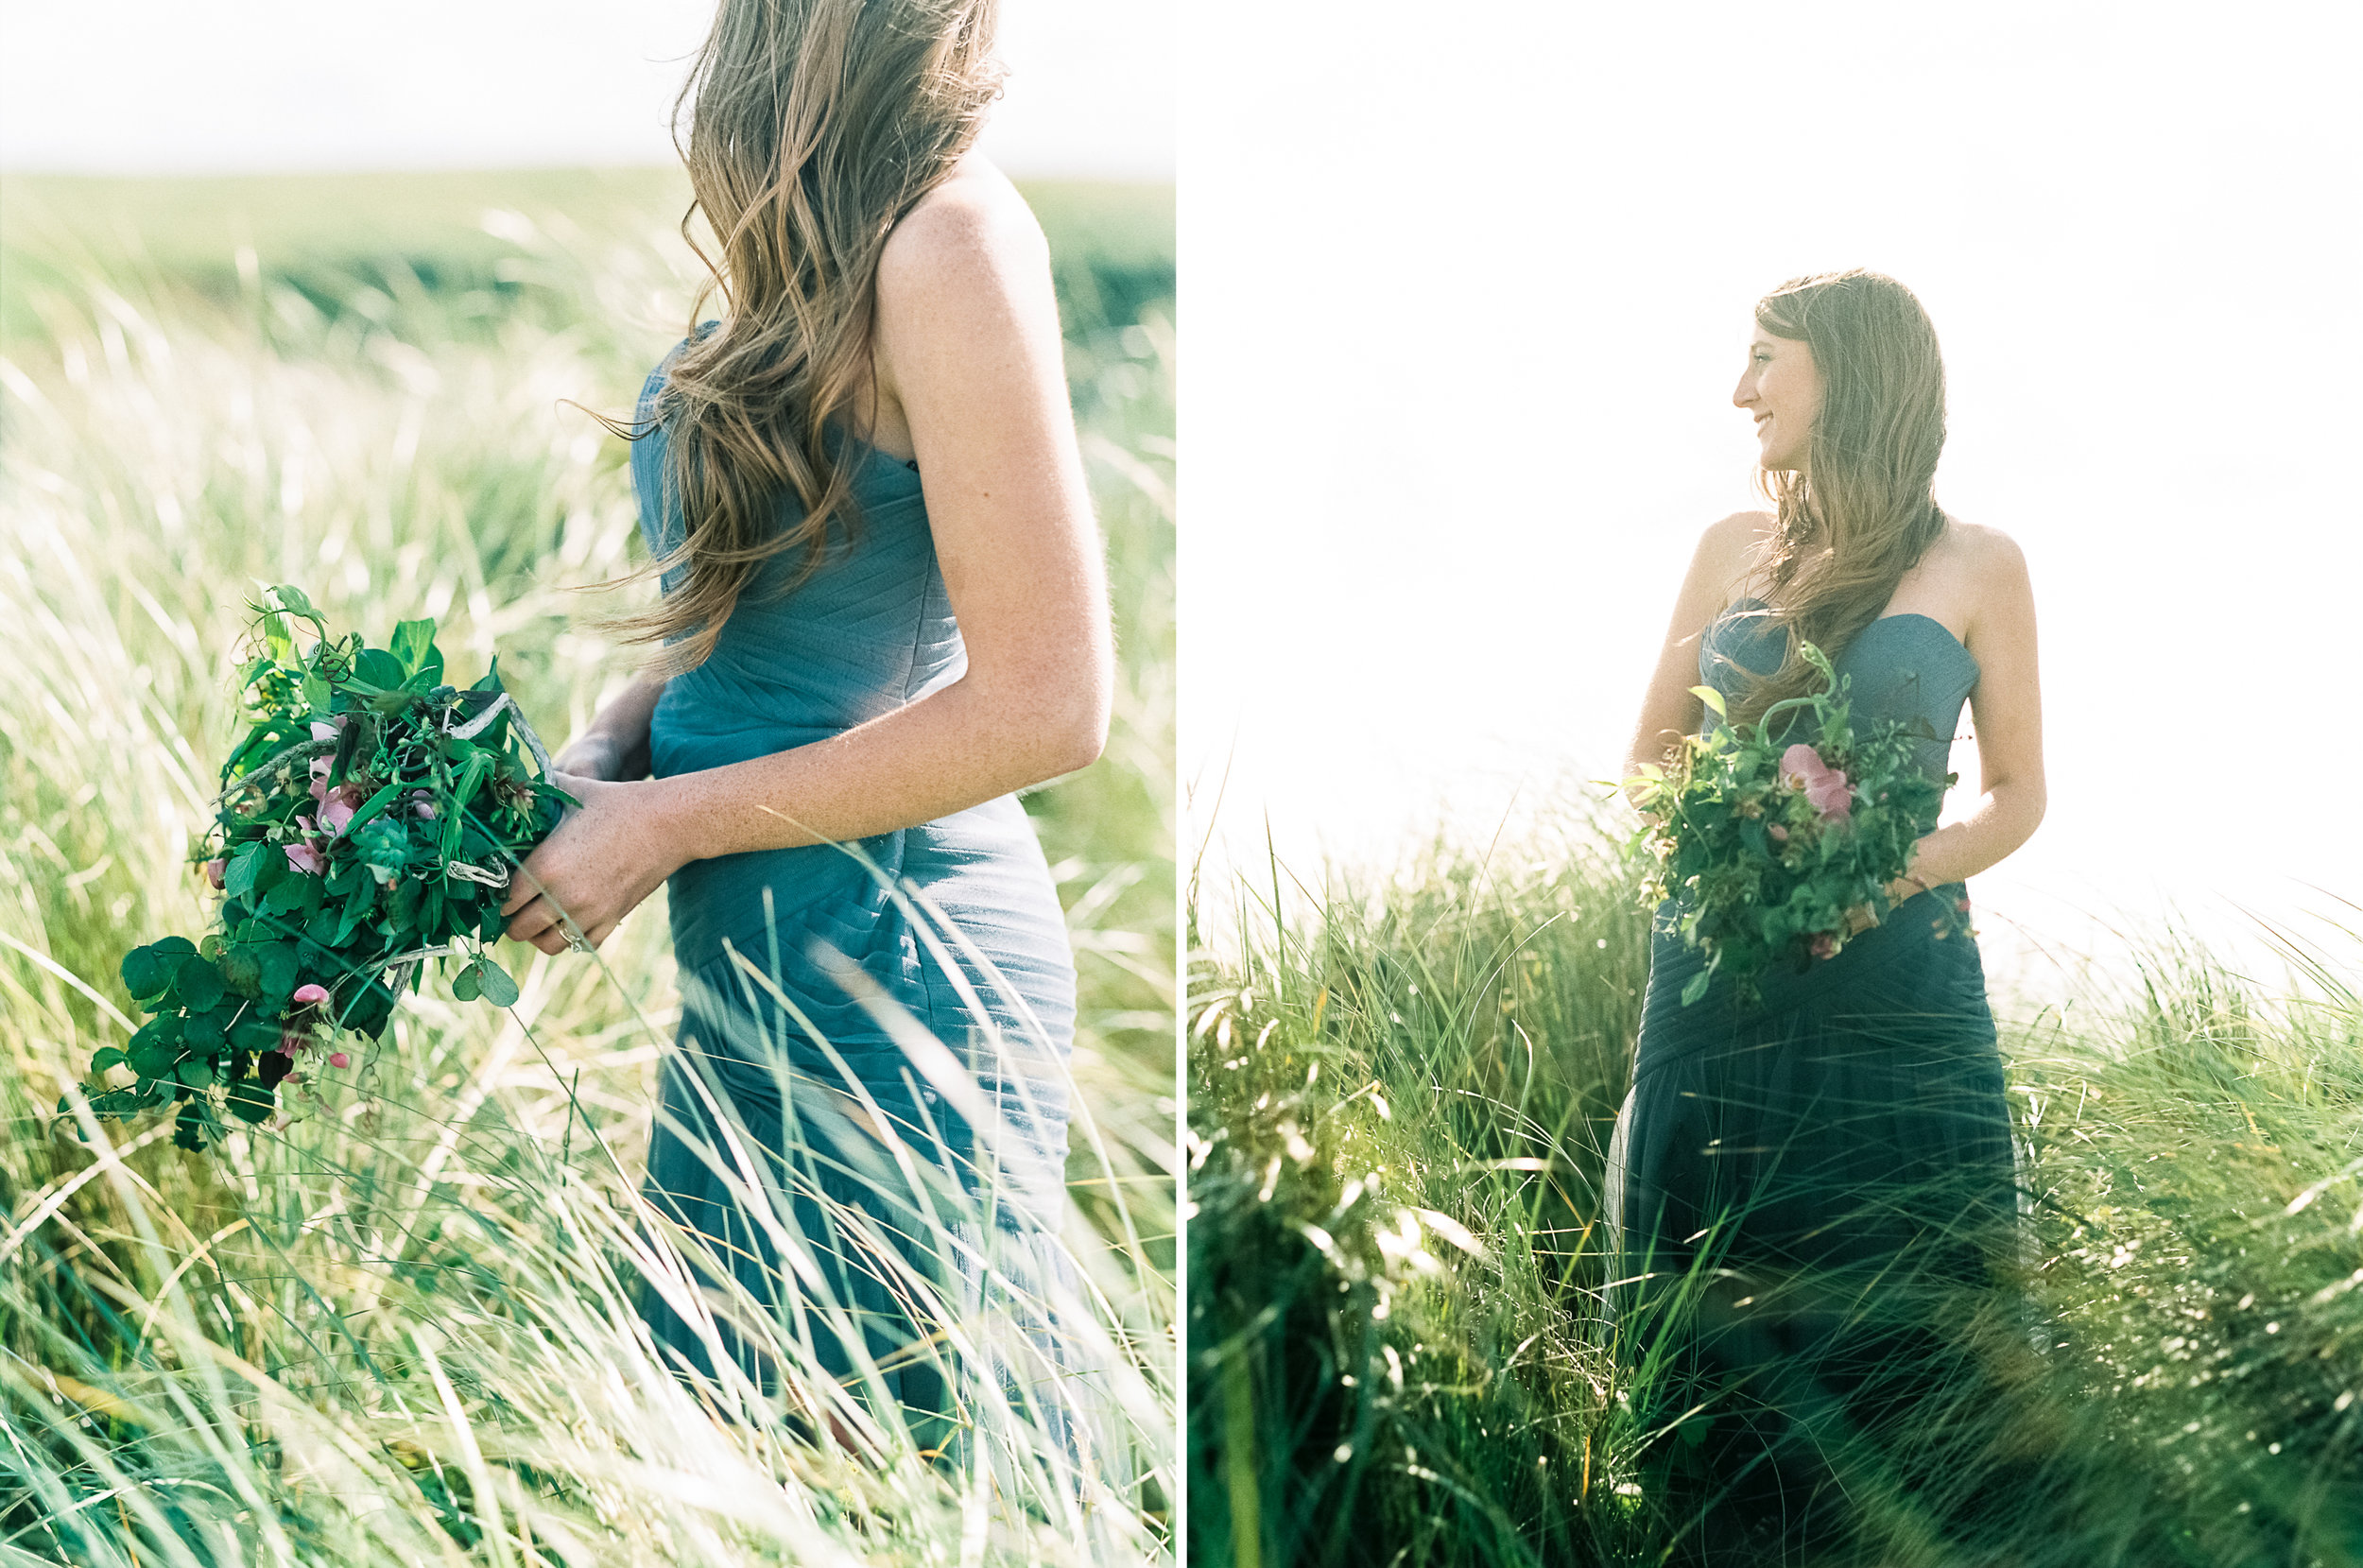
[
  {"x": 374, "y": 404},
  {"x": 341, "y": 729},
  {"x": 1760, "y": 873},
  {"x": 1396, "y": 1118},
  {"x": 2180, "y": 1386}
]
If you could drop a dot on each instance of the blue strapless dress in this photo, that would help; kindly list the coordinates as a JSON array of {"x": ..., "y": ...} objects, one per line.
[
  {"x": 1830, "y": 1169},
  {"x": 954, "y": 925}
]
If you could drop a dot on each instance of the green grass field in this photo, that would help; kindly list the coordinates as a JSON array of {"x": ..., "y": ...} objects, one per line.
[
  {"x": 1398, "y": 1113},
  {"x": 391, "y": 1327}
]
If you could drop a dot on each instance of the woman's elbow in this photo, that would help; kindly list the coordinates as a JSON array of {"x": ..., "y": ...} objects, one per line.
[
  {"x": 1064, "y": 726},
  {"x": 1080, "y": 734}
]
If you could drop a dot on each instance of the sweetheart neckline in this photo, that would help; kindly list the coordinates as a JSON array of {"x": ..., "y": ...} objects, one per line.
[{"x": 1903, "y": 615}]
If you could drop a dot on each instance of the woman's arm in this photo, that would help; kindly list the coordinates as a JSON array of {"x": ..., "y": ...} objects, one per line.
[
  {"x": 615, "y": 743},
  {"x": 1669, "y": 710},
  {"x": 969, "y": 348},
  {"x": 2007, "y": 710}
]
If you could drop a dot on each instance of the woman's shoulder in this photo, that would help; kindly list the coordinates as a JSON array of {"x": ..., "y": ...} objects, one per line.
[
  {"x": 657, "y": 377},
  {"x": 1732, "y": 547},
  {"x": 1978, "y": 557},
  {"x": 973, "y": 224}
]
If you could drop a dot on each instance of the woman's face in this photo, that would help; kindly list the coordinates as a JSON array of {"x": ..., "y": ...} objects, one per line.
[{"x": 1782, "y": 391}]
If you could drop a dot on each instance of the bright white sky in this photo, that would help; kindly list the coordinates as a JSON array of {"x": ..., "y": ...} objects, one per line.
[
  {"x": 1466, "y": 302},
  {"x": 165, "y": 87}
]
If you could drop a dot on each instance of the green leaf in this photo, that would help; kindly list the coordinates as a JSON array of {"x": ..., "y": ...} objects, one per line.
[
  {"x": 498, "y": 988},
  {"x": 108, "y": 1056},
  {"x": 294, "y": 601},
  {"x": 196, "y": 1071},
  {"x": 251, "y": 1101},
  {"x": 1696, "y": 986},
  {"x": 148, "y": 972},
  {"x": 254, "y": 1032},
  {"x": 202, "y": 1031},
  {"x": 279, "y": 976},
  {"x": 197, "y": 983},
  {"x": 156, "y": 1046},
  {"x": 290, "y": 894},
  {"x": 379, "y": 668},
  {"x": 356, "y": 910},
  {"x": 465, "y": 986},
  {"x": 414, "y": 644},
  {"x": 374, "y": 804},
  {"x": 316, "y": 693},
  {"x": 244, "y": 974},
  {"x": 238, "y": 879},
  {"x": 1713, "y": 698}
]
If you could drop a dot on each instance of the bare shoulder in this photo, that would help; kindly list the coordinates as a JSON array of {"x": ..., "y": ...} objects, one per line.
[
  {"x": 1983, "y": 555},
  {"x": 1732, "y": 547},
  {"x": 972, "y": 226}
]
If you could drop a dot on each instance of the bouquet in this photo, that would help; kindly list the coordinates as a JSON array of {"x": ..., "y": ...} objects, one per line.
[
  {"x": 369, "y": 821},
  {"x": 1773, "y": 851}
]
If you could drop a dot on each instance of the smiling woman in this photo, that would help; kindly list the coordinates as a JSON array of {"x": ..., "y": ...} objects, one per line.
[{"x": 1808, "y": 1176}]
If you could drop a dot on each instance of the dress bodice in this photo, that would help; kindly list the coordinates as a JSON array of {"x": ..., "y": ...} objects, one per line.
[
  {"x": 1904, "y": 668},
  {"x": 869, "y": 632}
]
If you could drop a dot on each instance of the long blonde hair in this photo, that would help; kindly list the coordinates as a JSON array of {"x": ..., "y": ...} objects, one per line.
[
  {"x": 813, "y": 127},
  {"x": 1862, "y": 511}
]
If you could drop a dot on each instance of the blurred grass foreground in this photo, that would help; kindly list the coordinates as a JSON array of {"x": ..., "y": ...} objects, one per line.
[
  {"x": 395, "y": 1325},
  {"x": 1398, "y": 1107}
]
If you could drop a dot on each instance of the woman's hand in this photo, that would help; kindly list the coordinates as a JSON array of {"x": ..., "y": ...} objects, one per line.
[
  {"x": 591, "y": 756},
  {"x": 604, "y": 859}
]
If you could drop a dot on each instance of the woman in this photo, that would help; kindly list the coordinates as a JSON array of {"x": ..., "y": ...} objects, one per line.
[
  {"x": 1804, "y": 1187},
  {"x": 883, "y": 612}
]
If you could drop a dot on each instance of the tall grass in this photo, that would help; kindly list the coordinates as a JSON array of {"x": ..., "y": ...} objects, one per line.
[
  {"x": 396, "y": 1324},
  {"x": 1397, "y": 1352}
]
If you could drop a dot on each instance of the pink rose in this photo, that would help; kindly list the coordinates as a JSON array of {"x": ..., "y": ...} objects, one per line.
[
  {"x": 310, "y": 994},
  {"x": 215, "y": 870},
  {"x": 1801, "y": 768}
]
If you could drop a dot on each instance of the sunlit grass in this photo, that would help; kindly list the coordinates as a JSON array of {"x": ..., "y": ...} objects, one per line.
[
  {"x": 1400, "y": 1104},
  {"x": 396, "y": 1325}
]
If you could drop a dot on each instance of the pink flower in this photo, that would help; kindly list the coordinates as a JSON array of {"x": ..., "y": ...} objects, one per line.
[
  {"x": 327, "y": 730},
  {"x": 321, "y": 767},
  {"x": 291, "y": 1042},
  {"x": 1824, "y": 945},
  {"x": 336, "y": 814},
  {"x": 1775, "y": 832},
  {"x": 422, "y": 805},
  {"x": 215, "y": 870},
  {"x": 338, "y": 1058},
  {"x": 303, "y": 858},
  {"x": 311, "y": 995},
  {"x": 1801, "y": 768}
]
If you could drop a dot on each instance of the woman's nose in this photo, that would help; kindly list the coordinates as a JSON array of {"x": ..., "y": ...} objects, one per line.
[{"x": 1745, "y": 393}]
